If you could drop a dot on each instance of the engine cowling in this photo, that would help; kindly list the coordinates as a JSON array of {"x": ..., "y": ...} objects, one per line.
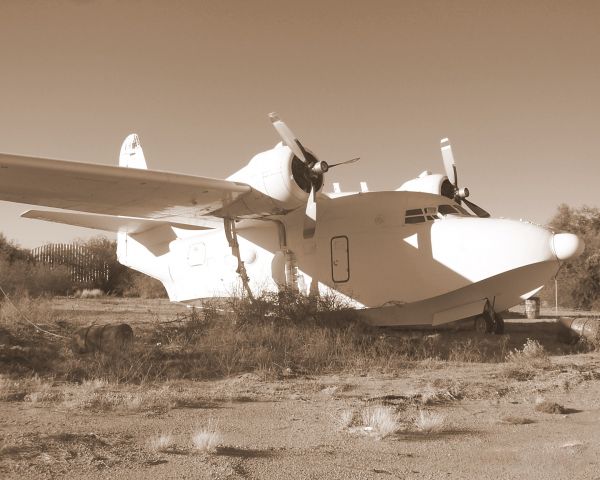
[
  {"x": 279, "y": 179},
  {"x": 428, "y": 182}
]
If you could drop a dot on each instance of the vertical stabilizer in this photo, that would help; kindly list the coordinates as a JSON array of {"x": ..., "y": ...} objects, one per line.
[{"x": 132, "y": 155}]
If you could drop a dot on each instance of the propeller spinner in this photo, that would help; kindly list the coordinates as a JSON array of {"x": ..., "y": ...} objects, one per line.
[
  {"x": 451, "y": 189},
  {"x": 307, "y": 169}
]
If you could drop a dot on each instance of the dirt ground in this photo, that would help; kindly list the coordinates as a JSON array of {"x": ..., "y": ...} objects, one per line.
[{"x": 311, "y": 427}]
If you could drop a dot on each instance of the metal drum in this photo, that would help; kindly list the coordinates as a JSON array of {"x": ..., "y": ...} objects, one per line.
[{"x": 532, "y": 307}]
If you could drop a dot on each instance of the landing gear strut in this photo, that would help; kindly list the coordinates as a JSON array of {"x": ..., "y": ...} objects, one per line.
[
  {"x": 489, "y": 321},
  {"x": 231, "y": 234}
]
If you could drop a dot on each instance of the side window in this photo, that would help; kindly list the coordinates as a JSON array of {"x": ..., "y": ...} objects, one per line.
[{"x": 197, "y": 254}]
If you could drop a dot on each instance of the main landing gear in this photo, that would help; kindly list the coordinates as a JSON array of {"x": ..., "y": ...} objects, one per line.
[{"x": 489, "y": 321}]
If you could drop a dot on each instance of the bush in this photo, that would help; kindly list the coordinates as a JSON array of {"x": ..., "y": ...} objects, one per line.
[
  {"x": 23, "y": 277},
  {"x": 579, "y": 279},
  {"x": 143, "y": 286}
]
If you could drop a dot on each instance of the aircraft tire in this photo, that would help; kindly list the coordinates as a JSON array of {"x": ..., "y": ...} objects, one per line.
[
  {"x": 483, "y": 323},
  {"x": 498, "y": 324}
]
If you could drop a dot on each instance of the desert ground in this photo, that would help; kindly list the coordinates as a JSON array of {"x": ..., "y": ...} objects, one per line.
[{"x": 532, "y": 412}]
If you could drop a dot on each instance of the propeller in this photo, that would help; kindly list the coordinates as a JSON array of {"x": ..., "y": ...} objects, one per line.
[
  {"x": 451, "y": 189},
  {"x": 307, "y": 169}
]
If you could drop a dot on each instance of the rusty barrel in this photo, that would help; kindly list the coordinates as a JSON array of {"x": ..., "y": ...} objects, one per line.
[
  {"x": 586, "y": 327},
  {"x": 532, "y": 307}
]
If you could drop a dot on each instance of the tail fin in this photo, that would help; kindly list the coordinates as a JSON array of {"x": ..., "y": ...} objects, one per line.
[{"x": 132, "y": 155}]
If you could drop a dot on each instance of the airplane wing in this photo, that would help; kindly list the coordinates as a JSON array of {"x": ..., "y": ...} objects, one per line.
[
  {"x": 112, "y": 190},
  {"x": 111, "y": 223}
]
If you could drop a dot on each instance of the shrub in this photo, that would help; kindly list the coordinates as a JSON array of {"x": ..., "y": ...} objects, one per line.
[
  {"x": 578, "y": 279},
  {"x": 380, "y": 420},
  {"x": 206, "y": 439},
  {"x": 429, "y": 422},
  {"x": 532, "y": 352},
  {"x": 161, "y": 443}
]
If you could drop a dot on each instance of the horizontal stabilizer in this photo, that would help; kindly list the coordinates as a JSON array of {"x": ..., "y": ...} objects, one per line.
[{"x": 130, "y": 225}]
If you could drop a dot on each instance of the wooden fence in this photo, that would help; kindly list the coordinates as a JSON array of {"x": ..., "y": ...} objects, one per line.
[{"x": 84, "y": 266}]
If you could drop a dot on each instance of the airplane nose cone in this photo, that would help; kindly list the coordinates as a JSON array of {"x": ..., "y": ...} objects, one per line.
[{"x": 567, "y": 245}]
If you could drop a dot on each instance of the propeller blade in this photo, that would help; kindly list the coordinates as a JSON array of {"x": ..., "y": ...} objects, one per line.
[
  {"x": 477, "y": 210},
  {"x": 288, "y": 136},
  {"x": 310, "y": 216},
  {"x": 448, "y": 159},
  {"x": 347, "y": 162}
]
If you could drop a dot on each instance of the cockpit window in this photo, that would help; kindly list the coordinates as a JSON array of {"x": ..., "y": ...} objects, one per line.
[
  {"x": 414, "y": 215},
  {"x": 429, "y": 214},
  {"x": 452, "y": 210}
]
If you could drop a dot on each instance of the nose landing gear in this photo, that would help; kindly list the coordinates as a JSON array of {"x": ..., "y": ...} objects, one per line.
[{"x": 489, "y": 321}]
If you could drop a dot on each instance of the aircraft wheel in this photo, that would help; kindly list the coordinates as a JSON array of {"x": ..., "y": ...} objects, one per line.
[
  {"x": 498, "y": 324},
  {"x": 483, "y": 323}
]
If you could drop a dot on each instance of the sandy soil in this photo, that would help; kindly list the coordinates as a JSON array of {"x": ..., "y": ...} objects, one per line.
[{"x": 292, "y": 427}]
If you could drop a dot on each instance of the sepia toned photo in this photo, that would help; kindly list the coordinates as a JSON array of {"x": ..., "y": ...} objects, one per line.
[{"x": 299, "y": 240}]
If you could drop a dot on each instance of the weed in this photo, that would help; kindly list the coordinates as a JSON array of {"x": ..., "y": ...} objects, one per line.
[
  {"x": 380, "y": 420},
  {"x": 532, "y": 350},
  {"x": 89, "y": 293},
  {"x": 546, "y": 406},
  {"x": 429, "y": 422},
  {"x": 521, "y": 364},
  {"x": 206, "y": 439},
  {"x": 516, "y": 420},
  {"x": 161, "y": 443},
  {"x": 345, "y": 418}
]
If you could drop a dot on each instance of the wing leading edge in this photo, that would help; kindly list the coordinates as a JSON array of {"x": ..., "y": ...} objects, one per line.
[{"x": 111, "y": 190}]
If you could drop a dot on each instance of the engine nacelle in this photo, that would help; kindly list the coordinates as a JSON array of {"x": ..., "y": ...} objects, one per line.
[
  {"x": 280, "y": 176},
  {"x": 428, "y": 182}
]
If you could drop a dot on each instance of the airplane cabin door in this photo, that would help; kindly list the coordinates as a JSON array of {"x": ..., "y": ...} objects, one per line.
[{"x": 340, "y": 259}]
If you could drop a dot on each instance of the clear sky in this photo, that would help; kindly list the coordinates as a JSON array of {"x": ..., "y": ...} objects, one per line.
[{"x": 514, "y": 84}]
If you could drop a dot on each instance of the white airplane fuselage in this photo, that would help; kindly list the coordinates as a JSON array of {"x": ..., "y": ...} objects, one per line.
[{"x": 438, "y": 270}]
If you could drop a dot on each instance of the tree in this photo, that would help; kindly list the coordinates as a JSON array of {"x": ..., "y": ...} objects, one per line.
[{"x": 579, "y": 279}]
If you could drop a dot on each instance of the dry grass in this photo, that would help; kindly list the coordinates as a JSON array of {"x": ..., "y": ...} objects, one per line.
[
  {"x": 380, "y": 421},
  {"x": 271, "y": 337},
  {"x": 516, "y": 420},
  {"x": 89, "y": 293},
  {"x": 113, "y": 397},
  {"x": 345, "y": 418},
  {"x": 532, "y": 352},
  {"x": 546, "y": 406},
  {"x": 429, "y": 422},
  {"x": 206, "y": 439},
  {"x": 161, "y": 443}
]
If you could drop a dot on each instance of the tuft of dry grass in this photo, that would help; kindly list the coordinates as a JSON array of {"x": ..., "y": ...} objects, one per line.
[
  {"x": 161, "y": 443},
  {"x": 546, "y": 406},
  {"x": 429, "y": 422},
  {"x": 345, "y": 418},
  {"x": 532, "y": 352},
  {"x": 379, "y": 420},
  {"x": 101, "y": 396},
  {"x": 206, "y": 439},
  {"x": 89, "y": 293},
  {"x": 516, "y": 420}
]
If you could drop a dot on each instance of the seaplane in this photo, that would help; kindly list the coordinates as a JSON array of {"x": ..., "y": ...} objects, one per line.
[{"x": 422, "y": 255}]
